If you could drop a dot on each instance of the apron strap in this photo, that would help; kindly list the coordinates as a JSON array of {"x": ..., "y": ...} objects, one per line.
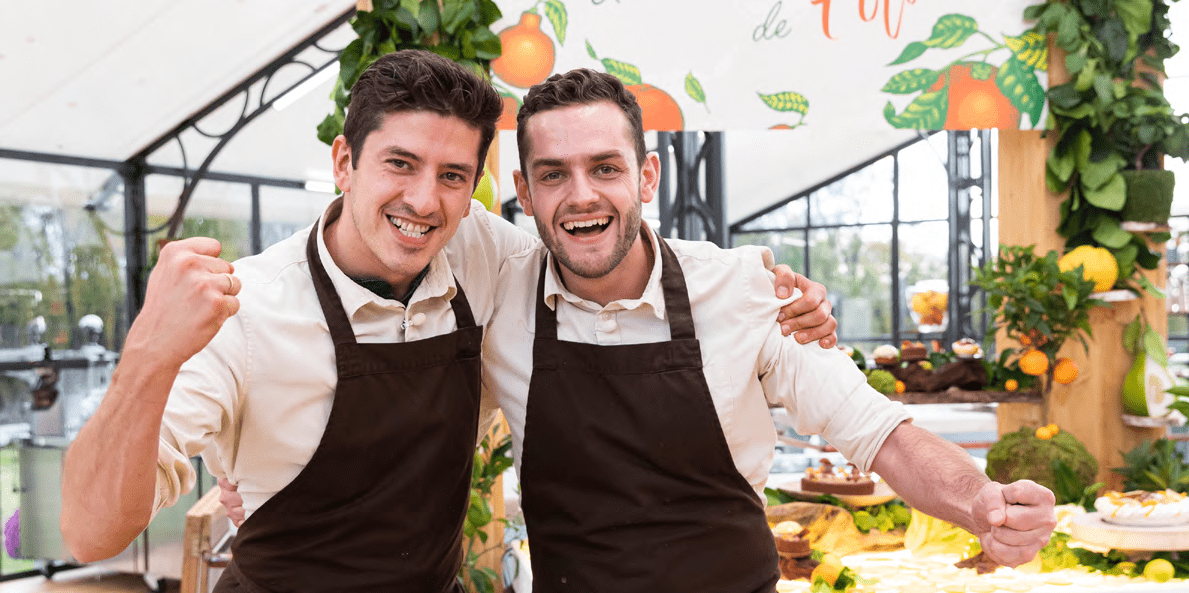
[
  {"x": 677, "y": 309},
  {"x": 332, "y": 306}
]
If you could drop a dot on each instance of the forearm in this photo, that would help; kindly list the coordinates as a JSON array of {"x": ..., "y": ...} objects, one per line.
[
  {"x": 931, "y": 474},
  {"x": 109, "y": 473}
]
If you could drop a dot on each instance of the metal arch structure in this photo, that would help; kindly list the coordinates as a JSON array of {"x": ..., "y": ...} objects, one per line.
[
  {"x": 696, "y": 209},
  {"x": 256, "y": 98}
]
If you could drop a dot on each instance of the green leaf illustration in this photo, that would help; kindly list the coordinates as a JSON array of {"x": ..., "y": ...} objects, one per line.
[
  {"x": 786, "y": 101},
  {"x": 693, "y": 88},
  {"x": 1031, "y": 50},
  {"x": 590, "y": 51},
  {"x": 926, "y": 112},
  {"x": 910, "y": 81},
  {"x": 980, "y": 70},
  {"x": 556, "y": 12},
  {"x": 1017, "y": 81},
  {"x": 626, "y": 73},
  {"x": 910, "y": 53},
  {"x": 952, "y": 30}
]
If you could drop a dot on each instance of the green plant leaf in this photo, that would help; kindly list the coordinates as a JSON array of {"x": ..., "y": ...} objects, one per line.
[
  {"x": 786, "y": 101},
  {"x": 455, "y": 13},
  {"x": 487, "y": 44},
  {"x": 1154, "y": 347},
  {"x": 1110, "y": 234},
  {"x": 1111, "y": 196},
  {"x": 1018, "y": 82},
  {"x": 1131, "y": 333},
  {"x": 926, "y": 112},
  {"x": 489, "y": 12},
  {"x": 555, "y": 11},
  {"x": 1061, "y": 165},
  {"x": 1030, "y": 50},
  {"x": 693, "y": 88},
  {"x": 1069, "y": 30},
  {"x": 910, "y": 81},
  {"x": 430, "y": 16},
  {"x": 330, "y": 128},
  {"x": 626, "y": 73},
  {"x": 1136, "y": 15},
  {"x": 1113, "y": 36},
  {"x": 1097, "y": 173},
  {"x": 910, "y": 53},
  {"x": 413, "y": 6},
  {"x": 951, "y": 30}
]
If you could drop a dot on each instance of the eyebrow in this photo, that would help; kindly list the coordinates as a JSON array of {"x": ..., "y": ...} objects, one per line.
[
  {"x": 598, "y": 158},
  {"x": 409, "y": 156}
]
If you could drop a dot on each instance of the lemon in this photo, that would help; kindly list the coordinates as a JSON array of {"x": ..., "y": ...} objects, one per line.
[
  {"x": 828, "y": 570},
  {"x": 1098, "y": 265},
  {"x": 1159, "y": 570},
  {"x": 485, "y": 191}
]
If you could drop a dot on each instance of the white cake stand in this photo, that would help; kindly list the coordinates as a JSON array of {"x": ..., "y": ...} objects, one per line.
[{"x": 1091, "y": 529}]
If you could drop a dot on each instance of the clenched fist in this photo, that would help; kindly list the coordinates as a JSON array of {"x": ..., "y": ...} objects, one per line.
[
  {"x": 1014, "y": 521},
  {"x": 191, "y": 292}
]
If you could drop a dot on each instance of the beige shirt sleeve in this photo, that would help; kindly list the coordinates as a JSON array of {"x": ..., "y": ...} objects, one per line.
[{"x": 202, "y": 406}]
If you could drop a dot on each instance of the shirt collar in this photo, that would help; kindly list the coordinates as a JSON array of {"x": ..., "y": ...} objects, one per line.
[
  {"x": 438, "y": 282},
  {"x": 654, "y": 295}
]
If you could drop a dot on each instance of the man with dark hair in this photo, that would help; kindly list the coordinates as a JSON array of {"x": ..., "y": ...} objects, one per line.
[
  {"x": 639, "y": 414},
  {"x": 335, "y": 377}
]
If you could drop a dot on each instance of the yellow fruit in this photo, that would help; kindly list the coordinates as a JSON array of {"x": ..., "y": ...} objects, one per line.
[
  {"x": 1065, "y": 372},
  {"x": 1034, "y": 362},
  {"x": 1159, "y": 570},
  {"x": 828, "y": 570},
  {"x": 1054, "y": 429},
  {"x": 1044, "y": 433},
  {"x": 485, "y": 191},
  {"x": 900, "y": 387},
  {"x": 1011, "y": 385},
  {"x": 1098, "y": 265}
]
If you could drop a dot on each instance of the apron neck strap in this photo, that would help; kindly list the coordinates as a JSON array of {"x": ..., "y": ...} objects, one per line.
[{"x": 677, "y": 309}]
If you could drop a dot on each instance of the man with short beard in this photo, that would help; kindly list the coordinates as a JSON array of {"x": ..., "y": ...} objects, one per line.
[{"x": 639, "y": 414}]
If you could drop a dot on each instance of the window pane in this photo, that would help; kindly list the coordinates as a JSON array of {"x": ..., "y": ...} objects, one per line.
[
  {"x": 285, "y": 211},
  {"x": 216, "y": 209},
  {"x": 924, "y": 265},
  {"x": 854, "y": 264},
  {"x": 792, "y": 215},
  {"x": 924, "y": 185},
  {"x": 787, "y": 247},
  {"x": 864, "y": 196}
]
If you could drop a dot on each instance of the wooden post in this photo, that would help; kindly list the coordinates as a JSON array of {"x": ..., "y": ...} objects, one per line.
[{"x": 1091, "y": 407}]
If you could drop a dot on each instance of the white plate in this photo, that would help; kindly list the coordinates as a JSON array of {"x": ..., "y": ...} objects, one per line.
[{"x": 883, "y": 493}]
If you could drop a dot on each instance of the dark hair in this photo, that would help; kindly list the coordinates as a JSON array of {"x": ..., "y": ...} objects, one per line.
[
  {"x": 580, "y": 86},
  {"x": 419, "y": 80}
]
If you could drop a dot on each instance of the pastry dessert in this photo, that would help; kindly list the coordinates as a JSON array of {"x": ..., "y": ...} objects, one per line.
[
  {"x": 886, "y": 355},
  {"x": 913, "y": 351},
  {"x": 796, "y": 561},
  {"x": 824, "y": 480},
  {"x": 1143, "y": 508},
  {"x": 966, "y": 348}
]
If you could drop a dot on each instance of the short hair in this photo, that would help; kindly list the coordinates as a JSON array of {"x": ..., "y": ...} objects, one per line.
[
  {"x": 580, "y": 86},
  {"x": 419, "y": 80}
]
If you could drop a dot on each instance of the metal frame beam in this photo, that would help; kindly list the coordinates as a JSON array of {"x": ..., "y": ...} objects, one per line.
[{"x": 696, "y": 208}]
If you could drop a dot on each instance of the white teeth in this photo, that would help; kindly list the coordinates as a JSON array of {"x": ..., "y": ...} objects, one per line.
[
  {"x": 409, "y": 229},
  {"x": 581, "y": 224}
]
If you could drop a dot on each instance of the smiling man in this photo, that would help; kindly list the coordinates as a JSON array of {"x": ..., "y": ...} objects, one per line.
[
  {"x": 639, "y": 413},
  {"x": 333, "y": 378}
]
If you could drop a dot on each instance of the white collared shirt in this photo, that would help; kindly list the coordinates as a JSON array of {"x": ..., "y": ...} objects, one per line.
[
  {"x": 255, "y": 401},
  {"x": 747, "y": 362}
]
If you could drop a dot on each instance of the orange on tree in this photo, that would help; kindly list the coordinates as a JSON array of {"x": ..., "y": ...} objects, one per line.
[
  {"x": 1011, "y": 385},
  {"x": 901, "y": 387},
  {"x": 1044, "y": 433},
  {"x": 1034, "y": 362},
  {"x": 659, "y": 110},
  {"x": 975, "y": 102},
  {"x": 528, "y": 53},
  {"x": 1065, "y": 372}
]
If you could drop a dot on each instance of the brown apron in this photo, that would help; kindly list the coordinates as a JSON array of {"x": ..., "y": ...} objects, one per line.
[
  {"x": 627, "y": 481},
  {"x": 380, "y": 506}
]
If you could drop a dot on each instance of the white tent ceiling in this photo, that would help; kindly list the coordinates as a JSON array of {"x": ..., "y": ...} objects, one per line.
[{"x": 105, "y": 79}]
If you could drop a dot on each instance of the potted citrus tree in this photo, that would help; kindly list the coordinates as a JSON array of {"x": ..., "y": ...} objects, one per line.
[{"x": 1041, "y": 302}]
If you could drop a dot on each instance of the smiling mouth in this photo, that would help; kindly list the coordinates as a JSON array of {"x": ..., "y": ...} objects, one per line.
[
  {"x": 586, "y": 228},
  {"x": 410, "y": 229}
]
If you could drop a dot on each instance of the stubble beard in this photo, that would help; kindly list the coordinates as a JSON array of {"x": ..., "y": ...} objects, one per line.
[{"x": 630, "y": 229}]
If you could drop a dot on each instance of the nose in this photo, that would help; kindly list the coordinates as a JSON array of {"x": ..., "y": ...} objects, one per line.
[
  {"x": 420, "y": 194},
  {"x": 584, "y": 193}
]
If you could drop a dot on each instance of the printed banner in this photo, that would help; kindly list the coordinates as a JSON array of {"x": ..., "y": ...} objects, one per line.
[{"x": 830, "y": 65}]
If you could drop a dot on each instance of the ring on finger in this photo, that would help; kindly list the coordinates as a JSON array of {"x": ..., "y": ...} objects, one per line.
[{"x": 230, "y": 283}]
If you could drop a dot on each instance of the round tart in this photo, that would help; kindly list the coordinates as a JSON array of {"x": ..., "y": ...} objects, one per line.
[{"x": 1143, "y": 509}]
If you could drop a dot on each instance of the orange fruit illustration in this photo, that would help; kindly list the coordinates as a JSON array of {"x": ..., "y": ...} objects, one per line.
[
  {"x": 660, "y": 110},
  {"x": 781, "y": 127},
  {"x": 975, "y": 103},
  {"x": 1065, "y": 372},
  {"x": 507, "y": 119},
  {"x": 1034, "y": 362},
  {"x": 528, "y": 53}
]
